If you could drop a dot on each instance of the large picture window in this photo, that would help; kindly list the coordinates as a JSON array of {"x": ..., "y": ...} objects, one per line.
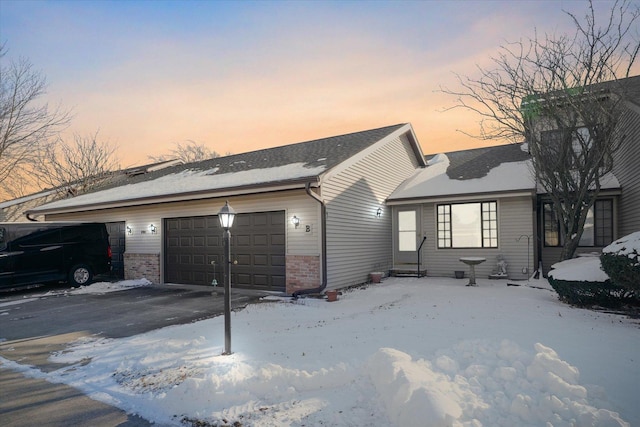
[
  {"x": 598, "y": 228},
  {"x": 468, "y": 225}
]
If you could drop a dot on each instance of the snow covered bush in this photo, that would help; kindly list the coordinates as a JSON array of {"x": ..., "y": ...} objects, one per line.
[
  {"x": 581, "y": 282},
  {"x": 621, "y": 261}
]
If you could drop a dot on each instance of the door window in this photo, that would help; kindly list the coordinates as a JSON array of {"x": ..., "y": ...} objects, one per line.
[{"x": 407, "y": 231}]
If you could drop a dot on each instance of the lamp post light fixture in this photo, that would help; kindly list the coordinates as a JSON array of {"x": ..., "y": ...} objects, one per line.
[{"x": 226, "y": 216}]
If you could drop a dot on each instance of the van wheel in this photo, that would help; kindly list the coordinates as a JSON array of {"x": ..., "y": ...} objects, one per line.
[{"x": 80, "y": 275}]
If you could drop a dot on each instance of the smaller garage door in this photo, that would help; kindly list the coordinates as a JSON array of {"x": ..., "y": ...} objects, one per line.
[
  {"x": 257, "y": 250},
  {"x": 117, "y": 242}
]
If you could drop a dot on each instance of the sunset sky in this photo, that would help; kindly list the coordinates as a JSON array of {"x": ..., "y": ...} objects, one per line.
[{"x": 240, "y": 76}]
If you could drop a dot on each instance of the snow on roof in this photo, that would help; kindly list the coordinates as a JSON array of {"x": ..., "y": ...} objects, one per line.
[
  {"x": 433, "y": 180},
  {"x": 188, "y": 181},
  {"x": 270, "y": 166},
  {"x": 607, "y": 182}
]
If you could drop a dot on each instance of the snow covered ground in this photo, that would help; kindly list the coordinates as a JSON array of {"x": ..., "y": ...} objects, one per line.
[{"x": 404, "y": 352}]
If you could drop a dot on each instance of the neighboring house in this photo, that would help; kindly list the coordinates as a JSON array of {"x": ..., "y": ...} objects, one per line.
[
  {"x": 616, "y": 211},
  {"x": 626, "y": 166},
  {"x": 310, "y": 215},
  {"x": 478, "y": 203},
  {"x": 14, "y": 210},
  {"x": 600, "y": 229}
]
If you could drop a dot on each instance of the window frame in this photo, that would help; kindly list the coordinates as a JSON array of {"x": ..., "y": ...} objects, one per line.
[
  {"x": 411, "y": 232},
  {"x": 600, "y": 231},
  {"x": 489, "y": 236}
]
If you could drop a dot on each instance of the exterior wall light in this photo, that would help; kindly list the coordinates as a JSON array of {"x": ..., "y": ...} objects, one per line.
[
  {"x": 153, "y": 228},
  {"x": 379, "y": 212},
  {"x": 129, "y": 230},
  {"x": 295, "y": 221}
]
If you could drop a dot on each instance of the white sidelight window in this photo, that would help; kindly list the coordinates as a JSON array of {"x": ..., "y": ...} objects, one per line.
[{"x": 407, "y": 231}]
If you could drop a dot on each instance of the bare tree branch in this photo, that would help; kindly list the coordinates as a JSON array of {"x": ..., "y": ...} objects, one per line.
[
  {"x": 188, "y": 152},
  {"x": 77, "y": 166},
  {"x": 25, "y": 126}
]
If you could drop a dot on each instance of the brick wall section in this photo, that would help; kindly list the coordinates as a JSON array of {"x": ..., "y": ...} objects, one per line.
[
  {"x": 303, "y": 272},
  {"x": 138, "y": 266}
]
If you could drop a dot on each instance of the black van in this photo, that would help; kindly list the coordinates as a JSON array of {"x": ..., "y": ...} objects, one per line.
[{"x": 44, "y": 252}]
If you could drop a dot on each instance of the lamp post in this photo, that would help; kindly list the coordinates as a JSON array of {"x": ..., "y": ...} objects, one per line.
[{"x": 226, "y": 216}]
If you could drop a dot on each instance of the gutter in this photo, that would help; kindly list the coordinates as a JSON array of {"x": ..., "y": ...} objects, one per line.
[
  {"x": 323, "y": 221},
  {"x": 282, "y": 185}
]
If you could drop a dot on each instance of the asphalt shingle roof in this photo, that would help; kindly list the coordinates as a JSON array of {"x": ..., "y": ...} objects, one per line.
[
  {"x": 303, "y": 161},
  {"x": 328, "y": 152}
]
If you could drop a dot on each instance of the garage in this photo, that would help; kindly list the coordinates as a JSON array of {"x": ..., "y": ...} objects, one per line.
[{"x": 194, "y": 252}]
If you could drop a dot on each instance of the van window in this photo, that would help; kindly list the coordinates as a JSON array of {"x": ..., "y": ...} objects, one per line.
[{"x": 41, "y": 237}]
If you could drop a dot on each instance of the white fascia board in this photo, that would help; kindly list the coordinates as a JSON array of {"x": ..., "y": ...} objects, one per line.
[
  {"x": 405, "y": 129},
  {"x": 471, "y": 197},
  {"x": 174, "y": 198}
]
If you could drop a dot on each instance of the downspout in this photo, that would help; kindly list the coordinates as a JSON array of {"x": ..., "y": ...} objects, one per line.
[{"x": 323, "y": 222}]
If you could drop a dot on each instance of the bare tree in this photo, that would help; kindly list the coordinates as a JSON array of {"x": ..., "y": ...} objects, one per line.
[
  {"x": 563, "y": 95},
  {"x": 77, "y": 166},
  {"x": 25, "y": 126},
  {"x": 187, "y": 152}
]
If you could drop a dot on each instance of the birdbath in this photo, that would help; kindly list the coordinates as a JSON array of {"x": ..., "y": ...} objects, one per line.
[{"x": 472, "y": 261}]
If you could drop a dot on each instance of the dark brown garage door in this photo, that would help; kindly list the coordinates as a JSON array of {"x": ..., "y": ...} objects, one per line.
[{"x": 257, "y": 247}]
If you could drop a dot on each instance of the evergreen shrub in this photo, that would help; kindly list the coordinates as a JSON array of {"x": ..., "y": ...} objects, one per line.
[
  {"x": 589, "y": 294},
  {"x": 621, "y": 261}
]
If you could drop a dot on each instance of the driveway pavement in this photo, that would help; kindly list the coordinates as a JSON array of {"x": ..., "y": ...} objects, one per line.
[{"x": 36, "y": 323}]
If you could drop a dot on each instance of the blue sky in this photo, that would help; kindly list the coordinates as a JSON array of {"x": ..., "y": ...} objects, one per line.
[{"x": 244, "y": 75}]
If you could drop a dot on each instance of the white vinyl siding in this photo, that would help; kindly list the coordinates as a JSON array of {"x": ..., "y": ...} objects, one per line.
[
  {"x": 358, "y": 241},
  {"x": 515, "y": 219},
  {"x": 625, "y": 168}
]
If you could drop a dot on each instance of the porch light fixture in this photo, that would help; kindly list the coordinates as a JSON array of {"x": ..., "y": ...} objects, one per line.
[
  {"x": 226, "y": 216},
  {"x": 379, "y": 212},
  {"x": 295, "y": 221},
  {"x": 153, "y": 228},
  {"x": 129, "y": 230}
]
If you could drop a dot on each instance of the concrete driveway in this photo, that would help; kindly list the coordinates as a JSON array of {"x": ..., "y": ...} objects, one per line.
[{"x": 36, "y": 323}]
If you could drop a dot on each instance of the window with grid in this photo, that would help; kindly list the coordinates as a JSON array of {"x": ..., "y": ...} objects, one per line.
[
  {"x": 604, "y": 222},
  {"x": 598, "y": 227},
  {"x": 468, "y": 225},
  {"x": 444, "y": 226}
]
